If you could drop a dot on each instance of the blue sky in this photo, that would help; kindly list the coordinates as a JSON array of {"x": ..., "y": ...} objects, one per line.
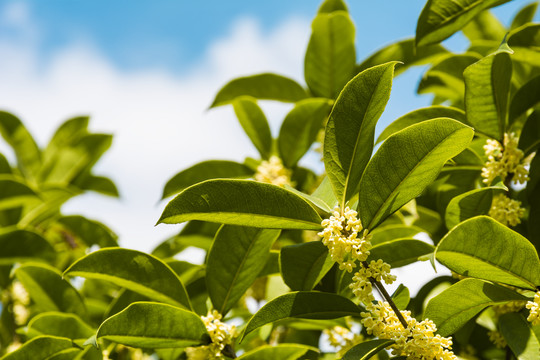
[{"x": 146, "y": 72}]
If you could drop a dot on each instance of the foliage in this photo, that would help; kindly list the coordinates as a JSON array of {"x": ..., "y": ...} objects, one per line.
[{"x": 461, "y": 172}]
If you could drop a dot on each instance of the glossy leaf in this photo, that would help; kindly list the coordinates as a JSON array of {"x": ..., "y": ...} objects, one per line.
[
  {"x": 487, "y": 89},
  {"x": 91, "y": 232},
  {"x": 154, "y": 325},
  {"x": 300, "y": 129},
  {"x": 41, "y": 347},
  {"x": 529, "y": 139},
  {"x": 22, "y": 246},
  {"x": 350, "y": 131},
  {"x": 483, "y": 248},
  {"x": 280, "y": 351},
  {"x": 254, "y": 123},
  {"x": 134, "y": 270},
  {"x": 330, "y": 56},
  {"x": 304, "y": 265},
  {"x": 419, "y": 115},
  {"x": 441, "y": 18},
  {"x": 304, "y": 305},
  {"x": 470, "y": 204},
  {"x": 520, "y": 336},
  {"x": 525, "y": 15},
  {"x": 366, "y": 350},
  {"x": 525, "y": 98},
  {"x": 59, "y": 324},
  {"x": 211, "y": 169},
  {"x": 48, "y": 290},
  {"x": 459, "y": 303},
  {"x": 400, "y": 252},
  {"x": 236, "y": 258},
  {"x": 14, "y": 193},
  {"x": 262, "y": 86},
  {"x": 242, "y": 202},
  {"x": 405, "y": 164}
]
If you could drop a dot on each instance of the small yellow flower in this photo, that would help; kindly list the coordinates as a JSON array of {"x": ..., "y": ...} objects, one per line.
[
  {"x": 509, "y": 307},
  {"x": 221, "y": 335},
  {"x": 504, "y": 161},
  {"x": 497, "y": 339},
  {"x": 506, "y": 211},
  {"x": 361, "y": 285},
  {"x": 534, "y": 309},
  {"x": 343, "y": 339},
  {"x": 273, "y": 172}
]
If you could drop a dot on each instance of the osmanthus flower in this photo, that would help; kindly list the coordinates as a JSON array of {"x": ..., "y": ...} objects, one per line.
[
  {"x": 273, "y": 172},
  {"x": 340, "y": 235},
  {"x": 343, "y": 339},
  {"x": 506, "y": 211},
  {"x": 534, "y": 309},
  {"x": 497, "y": 339},
  {"x": 19, "y": 302},
  {"x": 221, "y": 335},
  {"x": 361, "y": 285},
  {"x": 505, "y": 160},
  {"x": 418, "y": 341}
]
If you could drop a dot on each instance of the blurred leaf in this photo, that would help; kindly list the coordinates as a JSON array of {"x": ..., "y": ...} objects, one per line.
[
  {"x": 41, "y": 347},
  {"x": 23, "y": 245},
  {"x": 91, "y": 232},
  {"x": 387, "y": 233},
  {"x": 59, "y": 324},
  {"x": 134, "y": 270},
  {"x": 14, "y": 193},
  {"x": 236, "y": 258},
  {"x": 5, "y": 168},
  {"x": 67, "y": 134},
  {"x": 400, "y": 252},
  {"x": 525, "y": 15},
  {"x": 280, "y": 351},
  {"x": 525, "y": 41},
  {"x": 154, "y": 325},
  {"x": 529, "y": 140},
  {"x": 441, "y": 18},
  {"x": 99, "y": 184},
  {"x": 254, "y": 123},
  {"x": 525, "y": 98},
  {"x": 242, "y": 202},
  {"x": 484, "y": 26},
  {"x": 195, "y": 233},
  {"x": 329, "y": 6},
  {"x": 211, "y": 169},
  {"x": 405, "y": 164},
  {"x": 520, "y": 336},
  {"x": 366, "y": 350},
  {"x": 262, "y": 86},
  {"x": 482, "y": 247},
  {"x": 330, "y": 56},
  {"x": 350, "y": 131}
]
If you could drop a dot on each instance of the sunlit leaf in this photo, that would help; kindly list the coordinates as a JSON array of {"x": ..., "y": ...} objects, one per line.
[
  {"x": 59, "y": 324},
  {"x": 366, "y": 350},
  {"x": 41, "y": 347},
  {"x": 525, "y": 15},
  {"x": 254, "y": 123},
  {"x": 520, "y": 336},
  {"x": 400, "y": 252},
  {"x": 484, "y": 26}
]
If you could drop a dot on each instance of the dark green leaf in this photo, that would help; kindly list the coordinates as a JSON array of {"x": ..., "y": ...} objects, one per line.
[
  {"x": 14, "y": 193},
  {"x": 520, "y": 336},
  {"x": 330, "y": 56},
  {"x": 350, "y": 131},
  {"x": 527, "y": 97},
  {"x": 236, "y": 258},
  {"x": 400, "y": 252},
  {"x": 525, "y": 15},
  {"x": 59, "y": 324},
  {"x": 24, "y": 245},
  {"x": 263, "y": 86},
  {"x": 453, "y": 307},
  {"x": 529, "y": 139},
  {"x": 242, "y": 202},
  {"x": 99, "y": 184},
  {"x": 195, "y": 233},
  {"x": 366, "y": 350},
  {"x": 405, "y": 164},
  {"x": 280, "y": 351},
  {"x": 304, "y": 265},
  {"x": 304, "y": 305},
  {"x": 483, "y": 248},
  {"x": 134, "y": 270},
  {"x": 524, "y": 41},
  {"x": 41, "y": 347},
  {"x": 300, "y": 128},
  {"x": 254, "y": 123},
  {"x": 154, "y": 325},
  {"x": 91, "y": 232},
  {"x": 5, "y": 168},
  {"x": 441, "y": 18}
]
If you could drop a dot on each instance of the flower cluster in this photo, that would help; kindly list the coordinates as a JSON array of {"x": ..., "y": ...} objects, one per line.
[
  {"x": 343, "y": 339},
  {"x": 509, "y": 307},
  {"x": 497, "y": 339},
  {"x": 418, "y": 341},
  {"x": 534, "y": 309},
  {"x": 273, "y": 172},
  {"x": 221, "y": 335},
  {"x": 361, "y": 285},
  {"x": 504, "y": 161},
  {"x": 20, "y": 303},
  {"x": 340, "y": 235},
  {"x": 505, "y": 210}
]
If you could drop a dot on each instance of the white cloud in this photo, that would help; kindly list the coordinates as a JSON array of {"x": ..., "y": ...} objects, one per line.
[{"x": 159, "y": 120}]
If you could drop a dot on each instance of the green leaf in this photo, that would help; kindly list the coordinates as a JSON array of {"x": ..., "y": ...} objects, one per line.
[
  {"x": 330, "y": 56},
  {"x": 41, "y": 347},
  {"x": 419, "y": 115},
  {"x": 14, "y": 193},
  {"x": 67, "y": 134},
  {"x": 236, "y": 258},
  {"x": 195, "y": 233},
  {"x": 529, "y": 140},
  {"x": 403, "y": 51},
  {"x": 487, "y": 91},
  {"x": 484, "y": 26},
  {"x": 459, "y": 303},
  {"x": 304, "y": 265},
  {"x": 387, "y": 233},
  {"x": 405, "y": 164},
  {"x": 520, "y": 336},
  {"x": 524, "y": 41},
  {"x": 99, "y": 184},
  {"x": 154, "y": 325},
  {"x": 134, "y": 270},
  {"x": 400, "y": 252},
  {"x": 483, "y": 248},
  {"x": 5, "y": 168},
  {"x": 22, "y": 246},
  {"x": 525, "y": 15},
  {"x": 322, "y": 208},
  {"x": 242, "y": 202},
  {"x": 280, "y": 351},
  {"x": 366, "y": 350},
  {"x": 401, "y": 297},
  {"x": 91, "y": 232},
  {"x": 211, "y": 169},
  {"x": 525, "y": 98},
  {"x": 300, "y": 129},
  {"x": 59, "y": 324},
  {"x": 48, "y": 290},
  {"x": 304, "y": 305},
  {"x": 329, "y": 6},
  {"x": 263, "y": 87},
  {"x": 254, "y": 123},
  {"x": 441, "y": 18},
  {"x": 26, "y": 150},
  {"x": 470, "y": 204},
  {"x": 350, "y": 131}
]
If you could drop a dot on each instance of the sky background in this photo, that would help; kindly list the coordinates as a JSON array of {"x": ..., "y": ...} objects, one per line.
[{"x": 146, "y": 71}]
